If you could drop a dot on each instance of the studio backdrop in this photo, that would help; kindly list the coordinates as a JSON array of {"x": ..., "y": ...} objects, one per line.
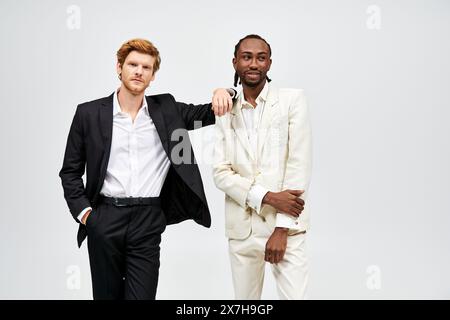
[{"x": 376, "y": 75}]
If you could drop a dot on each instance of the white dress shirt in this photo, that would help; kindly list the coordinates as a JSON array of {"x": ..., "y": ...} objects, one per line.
[
  {"x": 252, "y": 119},
  {"x": 138, "y": 164}
]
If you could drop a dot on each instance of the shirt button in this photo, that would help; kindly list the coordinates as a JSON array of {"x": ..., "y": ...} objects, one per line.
[{"x": 296, "y": 222}]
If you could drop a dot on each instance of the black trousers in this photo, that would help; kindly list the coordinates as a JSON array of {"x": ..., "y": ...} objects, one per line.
[{"x": 123, "y": 244}]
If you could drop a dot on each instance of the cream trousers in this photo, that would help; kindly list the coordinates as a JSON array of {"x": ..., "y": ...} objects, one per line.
[{"x": 248, "y": 265}]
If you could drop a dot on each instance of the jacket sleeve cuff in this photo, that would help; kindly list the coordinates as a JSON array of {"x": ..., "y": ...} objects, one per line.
[
  {"x": 284, "y": 220},
  {"x": 80, "y": 216},
  {"x": 255, "y": 197},
  {"x": 232, "y": 92}
]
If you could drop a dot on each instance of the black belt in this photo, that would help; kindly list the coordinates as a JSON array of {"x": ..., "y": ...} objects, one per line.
[{"x": 127, "y": 202}]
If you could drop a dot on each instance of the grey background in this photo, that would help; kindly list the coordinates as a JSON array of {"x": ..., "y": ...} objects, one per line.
[{"x": 379, "y": 102}]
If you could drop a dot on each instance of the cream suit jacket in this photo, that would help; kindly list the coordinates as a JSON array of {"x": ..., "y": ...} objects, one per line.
[{"x": 283, "y": 159}]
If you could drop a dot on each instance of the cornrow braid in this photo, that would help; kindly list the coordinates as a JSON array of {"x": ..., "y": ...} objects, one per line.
[{"x": 236, "y": 48}]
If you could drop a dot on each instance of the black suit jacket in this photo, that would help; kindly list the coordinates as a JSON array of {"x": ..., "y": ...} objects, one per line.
[{"x": 89, "y": 144}]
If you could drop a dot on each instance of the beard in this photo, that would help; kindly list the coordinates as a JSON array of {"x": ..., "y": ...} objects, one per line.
[
  {"x": 133, "y": 88},
  {"x": 252, "y": 83}
]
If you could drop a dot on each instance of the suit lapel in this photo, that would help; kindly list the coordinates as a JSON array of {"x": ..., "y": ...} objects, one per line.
[
  {"x": 237, "y": 122},
  {"x": 106, "y": 121},
  {"x": 154, "y": 109},
  {"x": 106, "y": 125},
  {"x": 266, "y": 119}
]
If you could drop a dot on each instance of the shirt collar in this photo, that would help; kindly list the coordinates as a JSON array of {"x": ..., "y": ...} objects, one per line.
[
  {"x": 116, "y": 105},
  {"x": 262, "y": 97}
]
